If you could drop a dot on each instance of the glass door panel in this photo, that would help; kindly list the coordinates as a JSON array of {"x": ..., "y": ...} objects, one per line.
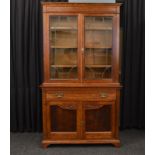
[
  {"x": 98, "y": 48},
  {"x": 63, "y": 47}
]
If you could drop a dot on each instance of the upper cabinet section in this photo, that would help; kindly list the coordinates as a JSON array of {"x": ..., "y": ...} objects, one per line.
[{"x": 81, "y": 43}]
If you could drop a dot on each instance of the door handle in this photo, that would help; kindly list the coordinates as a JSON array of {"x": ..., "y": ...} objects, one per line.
[
  {"x": 103, "y": 95},
  {"x": 59, "y": 95}
]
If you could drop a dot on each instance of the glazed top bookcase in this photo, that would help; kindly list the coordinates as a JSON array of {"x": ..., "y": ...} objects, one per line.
[
  {"x": 81, "y": 47},
  {"x": 81, "y": 73}
]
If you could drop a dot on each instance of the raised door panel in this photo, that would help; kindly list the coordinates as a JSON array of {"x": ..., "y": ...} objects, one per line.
[
  {"x": 63, "y": 120},
  {"x": 99, "y": 119}
]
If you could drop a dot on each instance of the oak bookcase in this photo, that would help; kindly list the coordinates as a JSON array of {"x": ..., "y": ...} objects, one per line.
[{"x": 81, "y": 88}]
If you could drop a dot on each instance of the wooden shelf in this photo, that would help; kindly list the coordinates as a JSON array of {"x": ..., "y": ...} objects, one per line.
[
  {"x": 98, "y": 66},
  {"x": 63, "y": 28},
  {"x": 64, "y": 66},
  {"x": 74, "y": 29},
  {"x": 85, "y": 47},
  {"x": 63, "y": 47},
  {"x": 89, "y": 66},
  {"x": 99, "y": 47},
  {"x": 98, "y": 28}
]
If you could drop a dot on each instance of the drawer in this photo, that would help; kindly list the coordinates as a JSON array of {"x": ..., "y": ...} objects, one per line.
[{"x": 82, "y": 94}]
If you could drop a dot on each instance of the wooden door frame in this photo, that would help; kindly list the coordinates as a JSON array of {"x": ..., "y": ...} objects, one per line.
[
  {"x": 115, "y": 47},
  {"x": 46, "y": 49},
  {"x": 104, "y": 134},
  {"x": 64, "y": 135}
]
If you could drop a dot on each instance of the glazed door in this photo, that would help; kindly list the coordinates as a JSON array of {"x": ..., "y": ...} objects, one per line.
[
  {"x": 63, "y": 120},
  {"x": 81, "y": 48},
  {"x": 99, "y": 48},
  {"x": 63, "y": 48},
  {"x": 99, "y": 120}
]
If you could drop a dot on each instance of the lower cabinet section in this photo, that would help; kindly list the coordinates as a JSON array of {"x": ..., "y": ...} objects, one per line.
[{"x": 67, "y": 121}]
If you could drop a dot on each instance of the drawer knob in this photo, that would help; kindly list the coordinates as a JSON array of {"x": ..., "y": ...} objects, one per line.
[
  {"x": 103, "y": 95},
  {"x": 59, "y": 95}
]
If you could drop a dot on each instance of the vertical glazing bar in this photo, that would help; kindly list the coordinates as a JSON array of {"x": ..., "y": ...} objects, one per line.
[{"x": 81, "y": 46}]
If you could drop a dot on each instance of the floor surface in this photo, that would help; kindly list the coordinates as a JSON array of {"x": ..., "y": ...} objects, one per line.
[{"x": 132, "y": 143}]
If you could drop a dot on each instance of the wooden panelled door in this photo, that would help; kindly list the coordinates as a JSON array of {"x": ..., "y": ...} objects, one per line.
[
  {"x": 64, "y": 120},
  {"x": 99, "y": 119}
]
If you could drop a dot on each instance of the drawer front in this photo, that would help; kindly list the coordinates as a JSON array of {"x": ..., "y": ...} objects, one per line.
[{"x": 82, "y": 94}]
